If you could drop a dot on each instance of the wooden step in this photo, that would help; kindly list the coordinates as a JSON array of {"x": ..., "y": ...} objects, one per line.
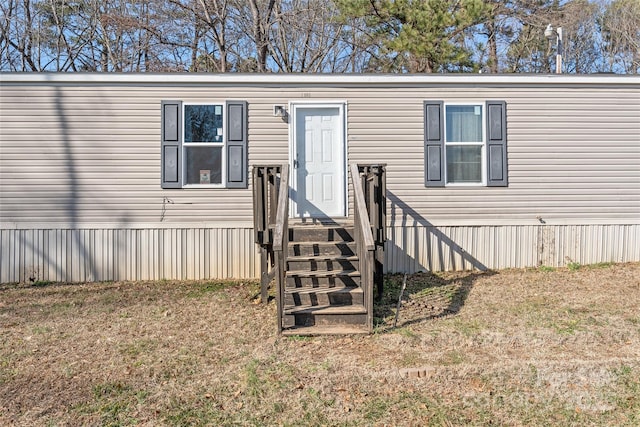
[
  {"x": 322, "y": 249},
  {"x": 320, "y": 234},
  {"x": 305, "y": 278},
  {"x": 322, "y": 262},
  {"x": 325, "y": 330},
  {"x": 324, "y": 315},
  {"x": 326, "y": 309},
  {"x": 322, "y": 292},
  {"x": 322, "y": 273},
  {"x": 323, "y": 296}
]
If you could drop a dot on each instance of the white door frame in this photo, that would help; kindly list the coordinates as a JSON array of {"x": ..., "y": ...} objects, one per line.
[{"x": 342, "y": 111}]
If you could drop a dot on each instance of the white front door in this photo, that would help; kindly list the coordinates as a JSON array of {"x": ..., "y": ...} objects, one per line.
[{"x": 318, "y": 187}]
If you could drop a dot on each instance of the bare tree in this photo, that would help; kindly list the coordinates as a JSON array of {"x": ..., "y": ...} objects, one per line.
[
  {"x": 579, "y": 22},
  {"x": 20, "y": 36},
  {"x": 317, "y": 35},
  {"x": 307, "y": 37},
  {"x": 529, "y": 51},
  {"x": 620, "y": 26},
  {"x": 492, "y": 38},
  {"x": 253, "y": 20},
  {"x": 209, "y": 41}
]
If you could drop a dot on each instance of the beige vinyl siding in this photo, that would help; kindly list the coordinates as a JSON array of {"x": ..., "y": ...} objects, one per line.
[
  {"x": 90, "y": 153},
  {"x": 548, "y": 154}
]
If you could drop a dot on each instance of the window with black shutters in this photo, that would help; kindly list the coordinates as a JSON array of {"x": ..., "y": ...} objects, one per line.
[
  {"x": 465, "y": 144},
  {"x": 204, "y": 145}
]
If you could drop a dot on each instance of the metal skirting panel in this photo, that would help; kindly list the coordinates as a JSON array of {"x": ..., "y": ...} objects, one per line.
[
  {"x": 67, "y": 255},
  {"x": 420, "y": 248},
  {"x": 84, "y": 255}
]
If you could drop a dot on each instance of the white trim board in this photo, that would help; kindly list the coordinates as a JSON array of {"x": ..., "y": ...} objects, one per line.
[{"x": 172, "y": 79}]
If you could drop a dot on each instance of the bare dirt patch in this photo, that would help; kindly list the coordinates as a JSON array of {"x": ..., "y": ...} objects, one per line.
[{"x": 516, "y": 347}]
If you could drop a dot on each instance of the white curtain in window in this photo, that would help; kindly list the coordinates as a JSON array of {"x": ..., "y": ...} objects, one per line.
[{"x": 464, "y": 123}]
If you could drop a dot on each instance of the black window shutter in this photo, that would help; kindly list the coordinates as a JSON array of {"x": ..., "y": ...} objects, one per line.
[
  {"x": 433, "y": 144},
  {"x": 171, "y": 144},
  {"x": 237, "y": 162},
  {"x": 497, "y": 144}
]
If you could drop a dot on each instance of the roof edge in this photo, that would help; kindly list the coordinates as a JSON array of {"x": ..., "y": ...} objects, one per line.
[{"x": 323, "y": 79}]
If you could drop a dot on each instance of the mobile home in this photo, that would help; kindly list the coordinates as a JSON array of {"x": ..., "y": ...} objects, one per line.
[{"x": 149, "y": 176}]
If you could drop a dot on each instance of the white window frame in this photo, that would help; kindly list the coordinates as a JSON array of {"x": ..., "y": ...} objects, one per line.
[
  {"x": 222, "y": 145},
  {"x": 483, "y": 145}
]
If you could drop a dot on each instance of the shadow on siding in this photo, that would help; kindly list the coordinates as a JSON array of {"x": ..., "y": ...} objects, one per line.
[
  {"x": 71, "y": 202},
  {"x": 416, "y": 246},
  {"x": 420, "y": 245}
]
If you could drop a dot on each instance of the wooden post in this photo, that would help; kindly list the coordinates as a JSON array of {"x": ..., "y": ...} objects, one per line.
[
  {"x": 280, "y": 239},
  {"x": 258, "y": 204},
  {"x": 280, "y": 285},
  {"x": 381, "y": 225},
  {"x": 273, "y": 199},
  {"x": 264, "y": 275}
]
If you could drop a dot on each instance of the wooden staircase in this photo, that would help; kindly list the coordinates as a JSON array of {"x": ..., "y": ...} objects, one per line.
[
  {"x": 324, "y": 273},
  {"x": 323, "y": 292}
]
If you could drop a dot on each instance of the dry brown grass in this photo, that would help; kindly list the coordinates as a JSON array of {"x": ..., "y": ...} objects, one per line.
[{"x": 517, "y": 347}]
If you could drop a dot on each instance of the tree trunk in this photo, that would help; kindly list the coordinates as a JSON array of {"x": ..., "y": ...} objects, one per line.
[
  {"x": 493, "y": 45},
  {"x": 260, "y": 31}
]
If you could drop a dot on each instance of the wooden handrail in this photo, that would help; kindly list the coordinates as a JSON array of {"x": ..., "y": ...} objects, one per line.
[
  {"x": 282, "y": 212},
  {"x": 360, "y": 208},
  {"x": 270, "y": 222},
  {"x": 365, "y": 245},
  {"x": 374, "y": 186},
  {"x": 280, "y": 240},
  {"x": 265, "y": 203}
]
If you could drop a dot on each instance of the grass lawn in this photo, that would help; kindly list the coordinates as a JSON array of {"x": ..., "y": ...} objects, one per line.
[{"x": 515, "y": 347}]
